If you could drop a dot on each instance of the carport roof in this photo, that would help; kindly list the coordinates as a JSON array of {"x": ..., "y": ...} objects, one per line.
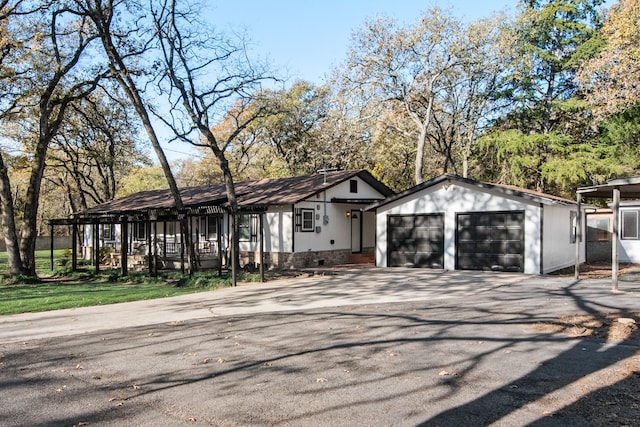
[
  {"x": 629, "y": 189},
  {"x": 508, "y": 190}
]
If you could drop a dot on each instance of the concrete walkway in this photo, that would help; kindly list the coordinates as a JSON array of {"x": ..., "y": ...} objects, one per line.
[{"x": 348, "y": 287}]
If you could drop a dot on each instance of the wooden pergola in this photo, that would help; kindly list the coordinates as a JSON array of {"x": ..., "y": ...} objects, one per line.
[
  {"x": 150, "y": 216},
  {"x": 615, "y": 190}
]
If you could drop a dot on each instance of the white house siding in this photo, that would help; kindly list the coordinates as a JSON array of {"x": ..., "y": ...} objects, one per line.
[
  {"x": 331, "y": 217},
  {"x": 559, "y": 252},
  {"x": 330, "y": 240},
  {"x": 451, "y": 198},
  {"x": 629, "y": 248}
]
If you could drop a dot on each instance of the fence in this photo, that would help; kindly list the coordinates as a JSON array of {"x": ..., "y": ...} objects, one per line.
[{"x": 44, "y": 242}]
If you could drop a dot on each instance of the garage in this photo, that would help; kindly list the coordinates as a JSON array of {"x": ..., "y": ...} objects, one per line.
[
  {"x": 462, "y": 224},
  {"x": 416, "y": 240},
  {"x": 490, "y": 241}
]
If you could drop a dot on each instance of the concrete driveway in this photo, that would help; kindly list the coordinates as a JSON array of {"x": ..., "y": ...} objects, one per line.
[{"x": 354, "y": 347}]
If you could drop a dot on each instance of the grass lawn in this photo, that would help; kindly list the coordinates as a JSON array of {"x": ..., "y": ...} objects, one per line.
[{"x": 88, "y": 289}]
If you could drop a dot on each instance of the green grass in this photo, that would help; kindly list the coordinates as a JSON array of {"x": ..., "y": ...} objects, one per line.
[{"x": 61, "y": 289}]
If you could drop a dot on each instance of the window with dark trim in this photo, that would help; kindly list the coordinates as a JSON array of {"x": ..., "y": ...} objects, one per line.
[
  {"x": 106, "y": 231},
  {"x": 308, "y": 220},
  {"x": 140, "y": 231},
  {"x": 248, "y": 228},
  {"x": 353, "y": 186},
  {"x": 629, "y": 224},
  {"x": 209, "y": 227}
]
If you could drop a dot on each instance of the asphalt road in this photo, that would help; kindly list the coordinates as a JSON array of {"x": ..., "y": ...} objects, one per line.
[{"x": 373, "y": 347}]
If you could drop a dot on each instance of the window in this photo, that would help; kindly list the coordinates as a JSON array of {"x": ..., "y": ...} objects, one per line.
[
  {"x": 209, "y": 227},
  {"x": 140, "y": 231},
  {"x": 630, "y": 224},
  {"x": 353, "y": 186},
  {"x": 106, "y": 231},
  {"x": 248, "y": 228},
  {"x": 308, "y": 220},
  {"x": 170, "y": 228}
]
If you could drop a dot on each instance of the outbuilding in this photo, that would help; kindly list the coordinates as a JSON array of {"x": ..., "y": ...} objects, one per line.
[{"x": 456, "y": 223}]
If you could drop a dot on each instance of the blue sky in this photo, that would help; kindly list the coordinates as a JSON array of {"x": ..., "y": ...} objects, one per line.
[{"x": 306, "y": 39}]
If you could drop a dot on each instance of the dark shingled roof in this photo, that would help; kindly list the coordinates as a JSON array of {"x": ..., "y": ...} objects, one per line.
[{"x": 261, "y": 193}]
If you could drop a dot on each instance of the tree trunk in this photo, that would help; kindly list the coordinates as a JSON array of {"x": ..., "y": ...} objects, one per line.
[
  {"x": 102, "y": 19},
  {"x": 8, "y": 223}
]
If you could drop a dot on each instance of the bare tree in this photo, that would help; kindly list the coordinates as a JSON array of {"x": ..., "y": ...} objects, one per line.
[
  {"x": 124, "y": 46},
  {"x": 406, "y": 65},
  {"x": 207, "y": 78}
]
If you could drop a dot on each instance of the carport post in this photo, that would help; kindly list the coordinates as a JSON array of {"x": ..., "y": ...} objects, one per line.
[
  {"x": 578, "y": 238},
  {"x": 615, "y": 257}
]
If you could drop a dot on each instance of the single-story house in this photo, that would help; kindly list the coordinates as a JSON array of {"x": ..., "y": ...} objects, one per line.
[
  {"x": 456, "y": 223},
  {"x": 292, "y": 222}
]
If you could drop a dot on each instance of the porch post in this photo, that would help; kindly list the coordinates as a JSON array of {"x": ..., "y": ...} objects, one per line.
[
  {"x": 261, "y": 247},
  {"x": 124, "y": 246},
  {"x": 74, "y": 246},
  {"x": 149, "y": 249},
  {"x": 234, "y": 248},
  {"x": 182, "y": 237},
  {"x": 615, "y": 242},
  {"x": 51, "y": 244},
  {"x": 219, "y": 239},
  {"x": 578, "y": 234},
  {"x": 96, "y": 246},
  {"x": 155, "y": 247}
]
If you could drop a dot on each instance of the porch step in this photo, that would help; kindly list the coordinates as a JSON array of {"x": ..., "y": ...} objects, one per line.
[{"x": 368, "y": 258}]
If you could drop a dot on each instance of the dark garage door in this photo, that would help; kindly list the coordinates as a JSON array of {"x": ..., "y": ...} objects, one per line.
[
  {"x": 416, "y": 241},
  {"x": 490, "y": 241}
]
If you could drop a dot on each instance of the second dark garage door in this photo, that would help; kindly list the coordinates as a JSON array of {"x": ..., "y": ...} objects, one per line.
[
  {"x": 416, "y": 241},
  {"x": 490, "y": 241}
]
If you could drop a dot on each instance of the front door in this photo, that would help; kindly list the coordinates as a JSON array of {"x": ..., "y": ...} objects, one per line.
[{"x": 356, "y": 231}]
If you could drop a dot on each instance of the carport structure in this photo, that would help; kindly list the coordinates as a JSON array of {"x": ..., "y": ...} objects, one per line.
[{"x": 615, "y": 190}]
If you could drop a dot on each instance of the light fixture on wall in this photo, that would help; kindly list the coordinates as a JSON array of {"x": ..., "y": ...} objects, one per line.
[{"x": 348, "y": 214}]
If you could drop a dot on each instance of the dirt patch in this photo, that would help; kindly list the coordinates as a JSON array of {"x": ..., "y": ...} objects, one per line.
[
  {"x": 611, "y": 326},
  {"x": 597, "y": 270}
]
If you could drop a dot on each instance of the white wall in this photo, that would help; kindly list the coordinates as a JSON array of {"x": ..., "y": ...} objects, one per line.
[
  {"x": 628, "y": 249},
  {"x": 558, "y": 250},
  {"x": 332, "y": 227},
  {"x": 452, "y": 198}
]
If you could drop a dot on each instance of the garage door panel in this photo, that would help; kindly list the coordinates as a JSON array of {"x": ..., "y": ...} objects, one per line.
[
  {"x": 429, "y": 260},
  {"x": 490, "y": 241},
  {"x": 416, "y": 240}
]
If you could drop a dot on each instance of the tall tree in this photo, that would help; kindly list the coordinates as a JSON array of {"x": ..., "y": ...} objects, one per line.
[
  {"x": 124, "y": 44},
  {"x": 552, "y": 38},
  {"x": 94, "y": 150},
  {"x": 204, "y": 73},
  {"x": 610, "y": 79},
  {"x": 48, "y": 74},
  {"x": 439, "y": 73}
]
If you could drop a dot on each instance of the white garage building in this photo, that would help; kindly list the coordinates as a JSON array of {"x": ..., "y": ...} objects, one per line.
[{"x": 456, "y": 223}]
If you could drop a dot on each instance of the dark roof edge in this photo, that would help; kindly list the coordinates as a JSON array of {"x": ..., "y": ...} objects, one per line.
[{"x": 450, "y": 177}]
